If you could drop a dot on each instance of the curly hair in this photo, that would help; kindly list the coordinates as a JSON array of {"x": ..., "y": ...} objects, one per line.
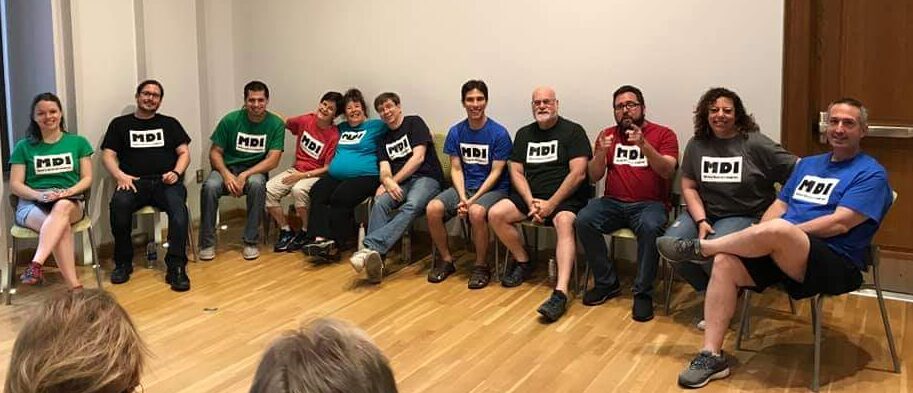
[
  {"x": 744, "y": 122},
  {"x": 325, "y": 356},
  {"x": 77, "y": 342}
]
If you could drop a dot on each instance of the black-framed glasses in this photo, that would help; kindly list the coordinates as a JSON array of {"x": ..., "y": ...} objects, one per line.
[{"x": 630, "y": 105}]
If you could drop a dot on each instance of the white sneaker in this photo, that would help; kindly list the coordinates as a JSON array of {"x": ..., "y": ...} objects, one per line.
[
  {"x": 358, "y": 259},
  {"x": 250, "y": 252},
  {"x": 208, "y": 253},
  {"x": 375, "y": 266}
]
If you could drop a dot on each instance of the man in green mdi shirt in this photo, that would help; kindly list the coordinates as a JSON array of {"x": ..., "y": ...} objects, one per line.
[{"x": 246, "y": 145}]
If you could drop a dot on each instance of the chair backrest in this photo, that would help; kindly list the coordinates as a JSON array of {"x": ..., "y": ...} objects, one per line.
[{"x": 444, "y": 159}]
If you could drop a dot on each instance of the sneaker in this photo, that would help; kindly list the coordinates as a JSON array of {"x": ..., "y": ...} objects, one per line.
[
  {"x": 642, "y": 310},
  {"x": 701, "y": 325},
  {"x": 285, "y": 238},
  {"x": 678, "y": 250},
  {"x": 250, "y": 252},
  {"x": 374, "y": 264},
  {"x": 316, "y": 247},
  {"x": 121, "y": 274},
  {"x": 34, "y": 274},
  {"x": 554, "y": 307},
  {"x": 703, "y": 369},
  {"x": 517, "y": 272},
  {"x": 178, "y": 279},
  {"x": 358, "y": 259},
  {"x": 207, "y": 253},
  {"x": 480, "y": 277},
  {"x": 301, "y": 238},
  {"x": 599, "y": 295},
  {"x": 440, "y": 272}
]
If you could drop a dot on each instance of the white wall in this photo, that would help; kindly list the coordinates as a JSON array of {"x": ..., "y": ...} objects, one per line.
[{"x": 425, "y": 50}]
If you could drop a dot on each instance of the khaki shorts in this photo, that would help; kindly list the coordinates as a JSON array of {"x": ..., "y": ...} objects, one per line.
[{"x": 276, "y": 190}]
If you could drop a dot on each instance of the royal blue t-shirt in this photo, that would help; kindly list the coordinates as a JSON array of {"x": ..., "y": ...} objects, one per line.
[
  {"x": 356, "y": 152},
  {"x": 477, "y": 149},
  {"x": 818, "y": 186}
]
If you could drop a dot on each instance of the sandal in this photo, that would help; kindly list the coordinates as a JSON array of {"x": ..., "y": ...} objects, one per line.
[
  {"x": 480, "y": 277},
  {"x": 441, "y": 271}
]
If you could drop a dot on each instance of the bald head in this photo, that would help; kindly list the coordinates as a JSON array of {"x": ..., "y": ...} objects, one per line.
[{"x": 545, "y": 107}]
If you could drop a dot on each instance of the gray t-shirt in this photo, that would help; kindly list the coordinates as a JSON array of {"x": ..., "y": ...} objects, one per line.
[{"x": 736, "y": 176}]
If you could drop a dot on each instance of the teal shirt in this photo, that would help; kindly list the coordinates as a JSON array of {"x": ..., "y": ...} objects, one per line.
[
  {"x": 246, "y": 143},
  {"x": 51, "y": 165},
  {"x": 356, "y": 152}
]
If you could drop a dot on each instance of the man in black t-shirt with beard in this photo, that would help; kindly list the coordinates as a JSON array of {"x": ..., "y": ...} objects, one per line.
[
  {"x": 548, "y": 174},
  {"x": 147, "y": 154}
]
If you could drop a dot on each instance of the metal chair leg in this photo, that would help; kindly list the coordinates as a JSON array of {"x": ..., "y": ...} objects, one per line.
[
  {"x": 11, "y": 274},
  {"x": 96, "y": 263},
  {"x": 817, "y": 301},
  {"x": 744, "y": 319},
  {"x": 884, "y": 317},
  {"x": 670, "y": 276}
]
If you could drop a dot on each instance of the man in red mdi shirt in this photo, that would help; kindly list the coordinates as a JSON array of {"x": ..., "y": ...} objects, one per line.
[{"x": 638, "y": 160}]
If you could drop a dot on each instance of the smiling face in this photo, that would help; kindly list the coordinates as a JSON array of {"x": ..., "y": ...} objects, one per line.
[
  {"x": 844, "y": 128},
  {"x": 255, "y": 103},
  {"x": 721, "y": 116},
  {"x": 149, "y": 99},
  {"x": 475, "y": 104},
  {"x": 355, "y": 113},
  {"x": 391, "y": 113},
  {"x": 545, "y": 106},
  {"x": 47, "y": 114},
  {"x": 326, "y": 111}
]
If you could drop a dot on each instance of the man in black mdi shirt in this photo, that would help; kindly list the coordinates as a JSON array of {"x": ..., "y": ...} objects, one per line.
[{"x": 147, "y": 154}]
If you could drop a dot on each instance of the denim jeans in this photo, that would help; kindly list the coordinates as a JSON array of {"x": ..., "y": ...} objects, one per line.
[
  {"x": 605, "y": 215},
  {"x": 214, "y": 188},
  {"x": 390, "y": 218},
  {"x": 172, "y": 199},
  {"x": 684, "y": 227}
]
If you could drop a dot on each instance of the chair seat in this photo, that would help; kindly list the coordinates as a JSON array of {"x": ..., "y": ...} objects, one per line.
[
  {"x": 625, "y": 233},
  {"x": 146, "y": 210},
  {"x": 26, "y": 233}
]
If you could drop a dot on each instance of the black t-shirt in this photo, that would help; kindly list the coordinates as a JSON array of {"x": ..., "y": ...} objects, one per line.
[
  {"x": 546, "y": 154},
  {"x": 145, "y": 147},
  {"x": 396, "y": 147}
]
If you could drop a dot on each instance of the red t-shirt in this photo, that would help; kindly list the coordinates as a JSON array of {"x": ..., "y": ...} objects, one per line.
[
  {"x": 314, "y": 146},
  {"x": 628, "y": 176}
]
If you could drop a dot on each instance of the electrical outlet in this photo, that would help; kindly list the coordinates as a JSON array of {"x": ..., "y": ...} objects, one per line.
[{"x": 199, "y": 176}]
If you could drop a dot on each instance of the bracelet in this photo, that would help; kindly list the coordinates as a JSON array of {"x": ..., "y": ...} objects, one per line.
[
  {"x": 698, "y": 222},
  {"x": 175, "y": 173}
]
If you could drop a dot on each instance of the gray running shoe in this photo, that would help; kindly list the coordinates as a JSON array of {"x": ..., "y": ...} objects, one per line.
[
  {"x": 207, "y": 253},
  {"x": 703, "y": 369},
  {"x": 680, "y": 250},
  {"x": 250, "y": 252}
]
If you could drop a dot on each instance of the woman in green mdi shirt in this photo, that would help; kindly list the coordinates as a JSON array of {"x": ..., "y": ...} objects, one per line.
[{"x": 50, "y": 169}]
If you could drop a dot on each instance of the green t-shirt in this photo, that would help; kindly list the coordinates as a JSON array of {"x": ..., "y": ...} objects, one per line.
[
  {"x": 245, "y": 142},
  {"x": 54, "y": 165}
]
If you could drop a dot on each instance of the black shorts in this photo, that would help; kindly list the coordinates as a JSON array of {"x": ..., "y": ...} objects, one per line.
[
  {"x": 571, "y": 204},
  {"x": 827, "y": 272}
]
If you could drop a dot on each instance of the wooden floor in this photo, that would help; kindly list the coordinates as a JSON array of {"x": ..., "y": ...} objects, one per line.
[{"x": 445, "y": 338}]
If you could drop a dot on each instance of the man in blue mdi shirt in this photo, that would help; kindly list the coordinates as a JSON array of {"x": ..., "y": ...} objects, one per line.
[{"x": 813, "y": 237}]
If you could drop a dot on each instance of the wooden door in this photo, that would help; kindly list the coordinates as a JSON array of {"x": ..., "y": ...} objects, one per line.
[{"x": 861, "y": 49}]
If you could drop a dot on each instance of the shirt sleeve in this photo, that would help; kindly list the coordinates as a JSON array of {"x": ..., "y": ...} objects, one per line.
[
  {"x": 668, "y": 145},
  {"x": 18, "y": 154},
  {"x": 220, "y": 135},
  {"x": 113, "y": 140},
  {"x": 295, "y": 125},
  {"x": 869, "y": 195},
  {"x": 452, "y": 143},
  {"x": 503, "y": 146},
  {"x": 276, "y": 135},
  {"x": 419, "y": 134},
  {"x": 518, "y": 152},
  {"x": 181, "y": 136},
  {"x": 85, "y": 148},
  {"x": 778, "y": 163}
]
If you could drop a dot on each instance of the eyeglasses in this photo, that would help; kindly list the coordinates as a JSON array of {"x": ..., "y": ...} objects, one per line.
[
  {"x": 546, "y": 102},
  {"x": 149, "y": 94},
  {"x": 630, "y": 105}
]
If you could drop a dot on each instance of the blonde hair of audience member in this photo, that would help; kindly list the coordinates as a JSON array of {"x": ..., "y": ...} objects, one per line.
[
  {"x": 77, "y": 342},
  {"x": 324, "y": 356}
]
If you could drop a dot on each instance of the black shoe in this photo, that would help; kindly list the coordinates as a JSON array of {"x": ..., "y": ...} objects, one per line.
[
  {"x": 317, "y": 247},
  {"x": 679, "y": 250},
  {"x": 121, "y": 274},
  {"x": 599, "y": 295},
  {"x": 642, "y": 311},
  {"x": 177, "y": 277},
  {"x": 704, "y": 368},
  {"x": 301, "y": 238},
  {"x": 285, "y": 238},
  {"x": 480, "y": 277},
  {"x": 554, "y": 307},
  {"x": 442, "y": 270},
  {"x": 516, "y": 273}
]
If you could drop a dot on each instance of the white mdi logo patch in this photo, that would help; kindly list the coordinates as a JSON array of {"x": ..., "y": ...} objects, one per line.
[
  {"x": 141, "y": 139},
  {"x": 248, "y": 143},
  {"x": 351, "y": 137},
  {"x": 310, "y": 145},
  {"x": 814, "y": 189},
  {"x": 721, "y": 169},
  {"x": 541, "y": 152},
  {"x": 399, "y": 148},
  {"x": 53, "y": 163},
  {"x": 629, "y": 155},
  {"x": 474, "y": 153}
]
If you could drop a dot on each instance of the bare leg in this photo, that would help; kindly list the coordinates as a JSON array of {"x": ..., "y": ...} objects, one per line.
[
  {"x": 278, "y": 215},
  {"x": 50, "y": 227},
  {"x": 502, "y": 217},
  {"x": 303, "y": 215},
  {"x": 434, "y": 213},
  {"x": 784, "y": 242},
  {"x": 566, "y": 248},
  {"x": 477, "y": 214},
  {"x": 727, "y": 277},
  {"x": 65, "y": 255}
]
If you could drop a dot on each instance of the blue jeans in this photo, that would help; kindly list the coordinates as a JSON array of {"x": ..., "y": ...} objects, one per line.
[
  {"x": 605, "y": 215},
  {"x": 214, "y": 188},
  {"x": 685, "y": 228},
  {"x": 390, "y": 218}
]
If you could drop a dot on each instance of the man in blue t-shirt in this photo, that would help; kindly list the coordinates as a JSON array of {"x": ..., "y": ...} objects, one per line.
[
  {"x": 813, "y": 237},
  {"x": 478, "y": 148}
]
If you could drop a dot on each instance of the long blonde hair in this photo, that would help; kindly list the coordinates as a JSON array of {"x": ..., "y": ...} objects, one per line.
[{"x": 81, "y": 342}]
